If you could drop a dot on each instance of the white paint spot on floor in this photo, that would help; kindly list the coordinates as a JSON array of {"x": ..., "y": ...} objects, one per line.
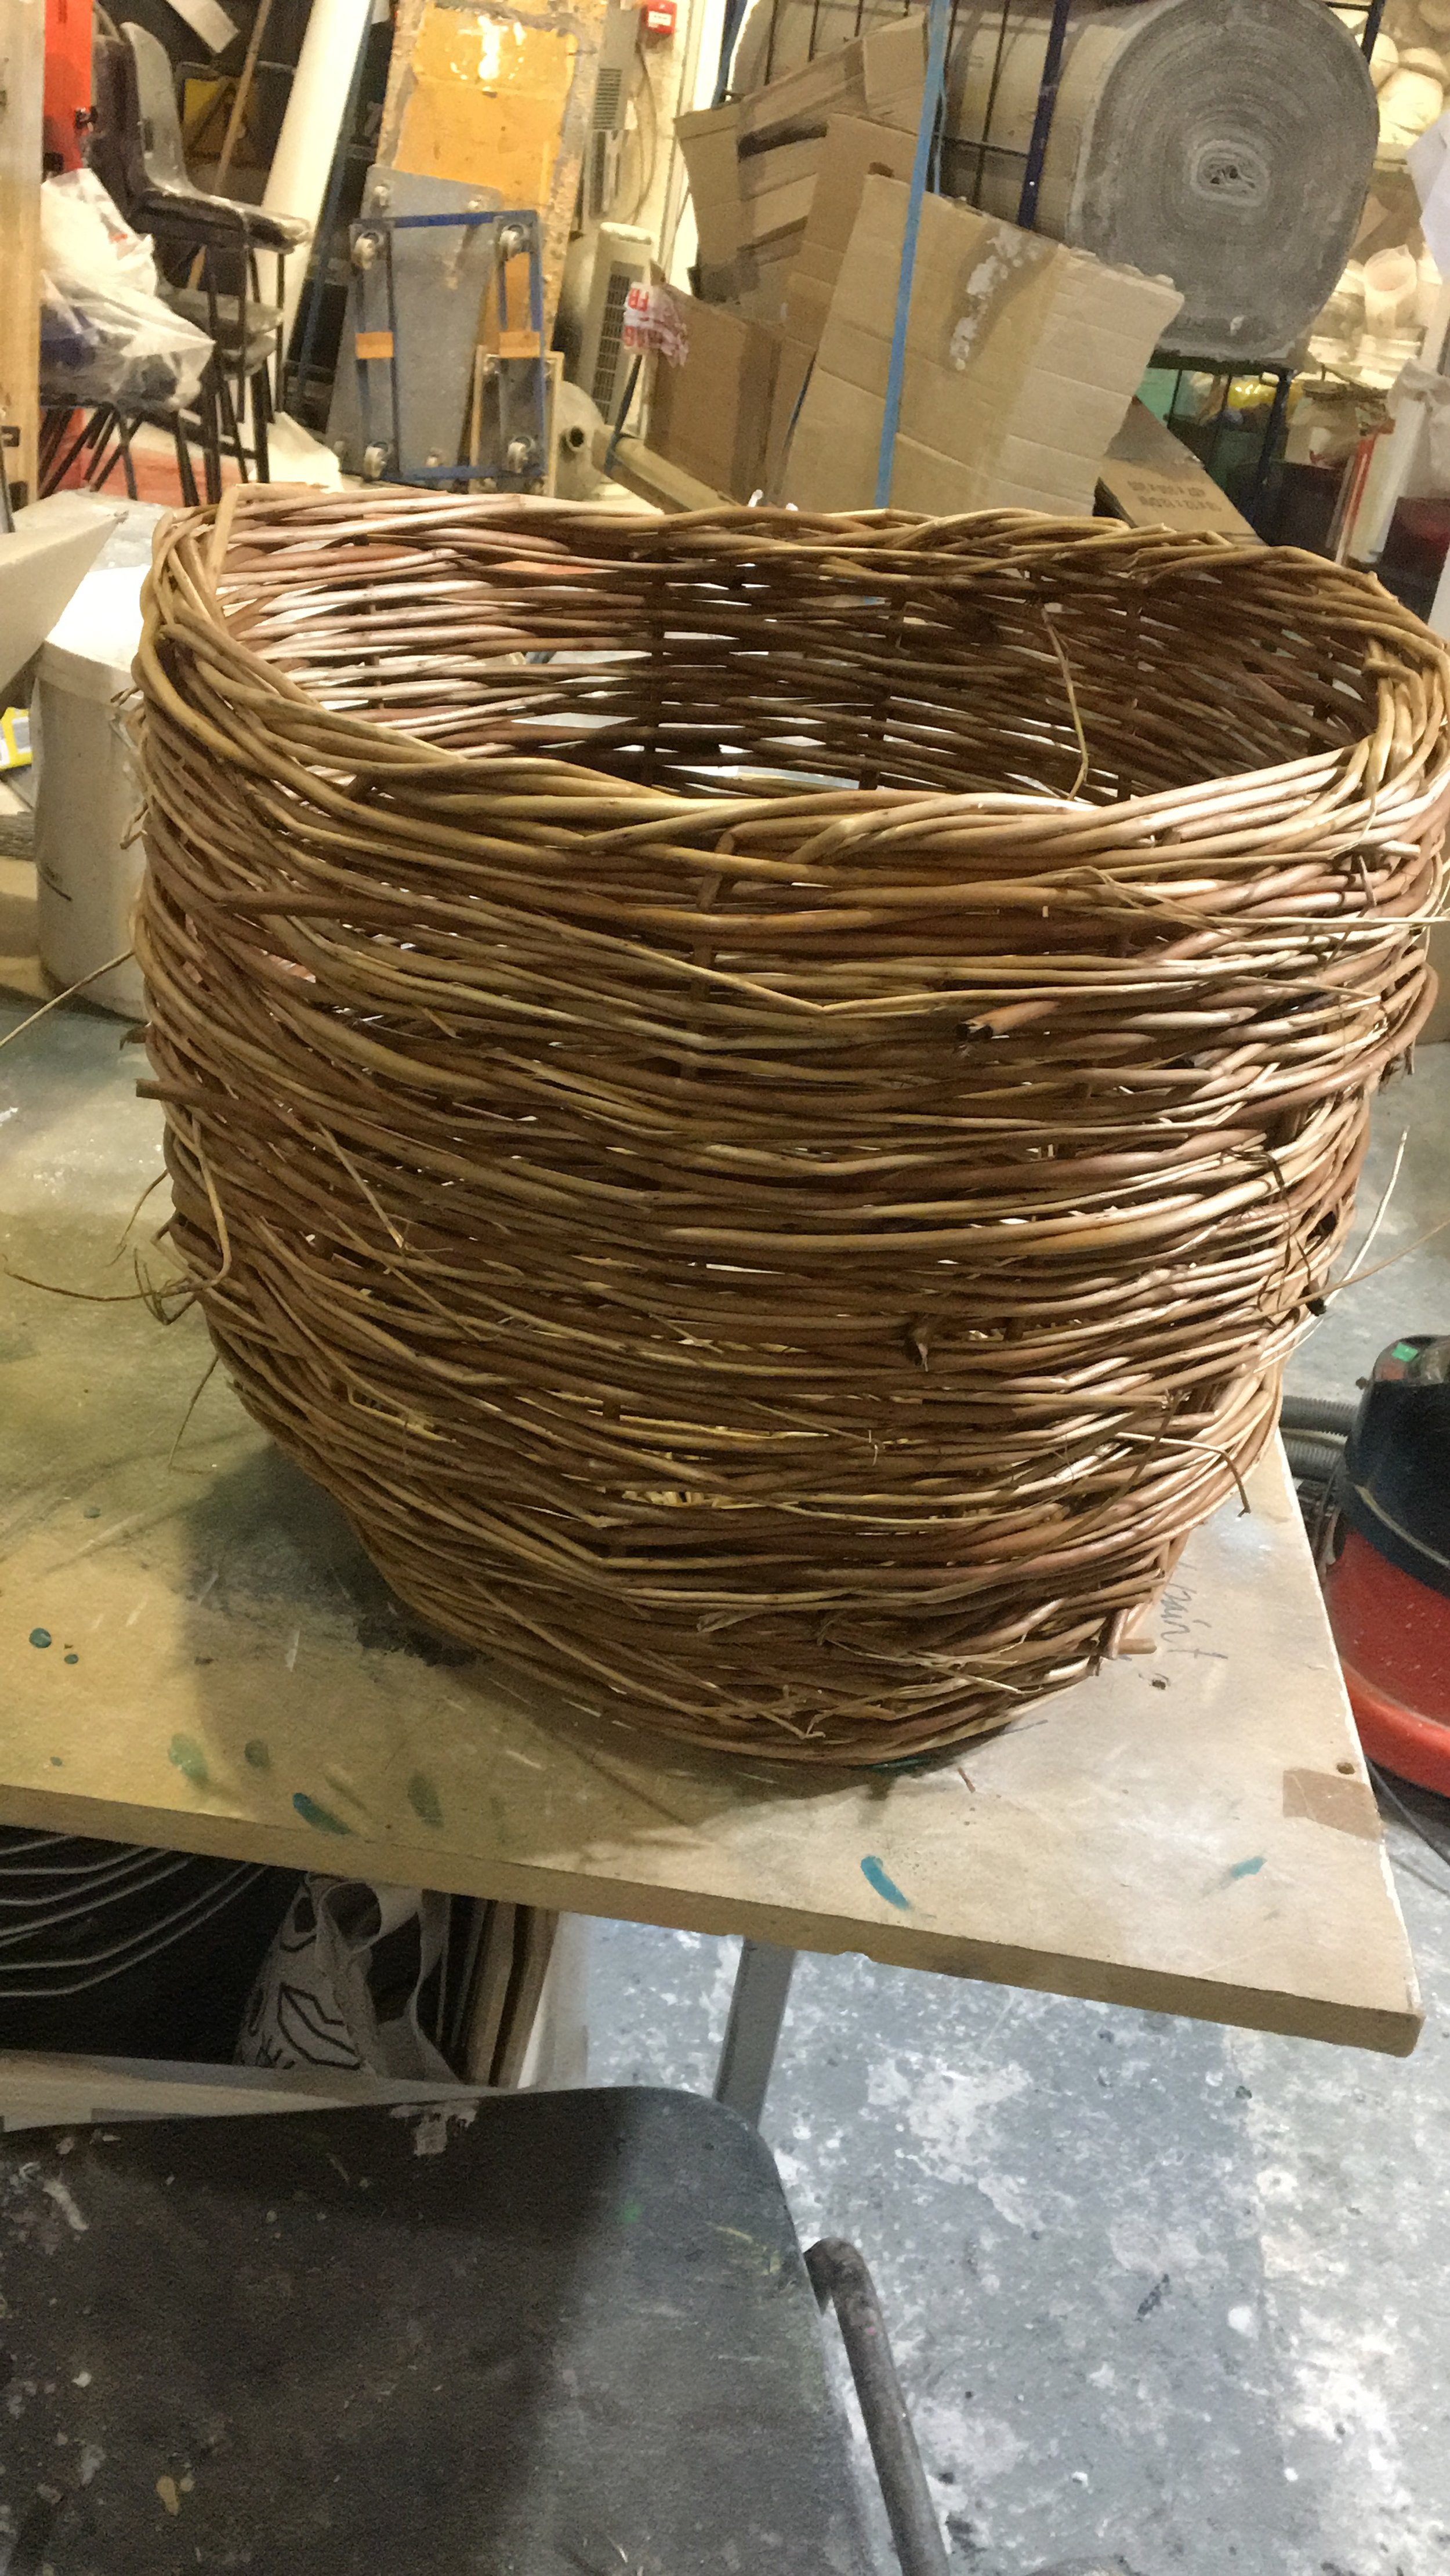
[
  {"x": 946, "y": 2108},
  {"x": 1243, "y": 2321},
  {"x": 64, "y": 2200},
  {"x": 1142, "y": 2242},
  {"x": 1010, "y": 2198}
]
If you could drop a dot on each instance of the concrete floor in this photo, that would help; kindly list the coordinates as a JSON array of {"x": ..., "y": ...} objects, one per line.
[{"x": 1158, "y": 2290}]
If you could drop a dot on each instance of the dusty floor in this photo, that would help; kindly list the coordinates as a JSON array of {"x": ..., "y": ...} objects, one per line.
[{"x": 1166, "y": 2291}]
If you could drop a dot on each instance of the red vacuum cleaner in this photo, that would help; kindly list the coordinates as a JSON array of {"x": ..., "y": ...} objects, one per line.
[{"x": 1383, "y": 1545}]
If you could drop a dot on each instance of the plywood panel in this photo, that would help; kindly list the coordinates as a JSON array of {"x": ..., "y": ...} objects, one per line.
[
  {"x": 22, "y": 88},
  {"x": 497, "y": 98},
  {"x": 1193, "y": 1831}
]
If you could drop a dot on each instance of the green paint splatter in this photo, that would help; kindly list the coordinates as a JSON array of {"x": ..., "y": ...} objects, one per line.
[
  {"x": 92, "y": 1512},
  {"x": 257, "y": 1754},
  {"x": 72, "y": 1659},
  {"x": 189, "y": 1759},
  {"x": 423, "y": 1799},
  {"x": 40, "y": 1636},
  {"x": 1247, "y": 1868},
  {"x": 630, "y": 2212},
  {"x": 322, "y": 1817}
]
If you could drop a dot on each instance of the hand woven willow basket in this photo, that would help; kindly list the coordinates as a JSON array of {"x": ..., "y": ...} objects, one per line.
[{"x": 763, "y": 1098}]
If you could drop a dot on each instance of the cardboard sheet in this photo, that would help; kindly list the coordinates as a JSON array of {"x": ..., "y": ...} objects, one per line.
[{"x": 1022, "y": 357}]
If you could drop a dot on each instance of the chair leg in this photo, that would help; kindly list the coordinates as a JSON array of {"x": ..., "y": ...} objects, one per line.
[
  {"x": 125, "y": 432},
  {"x": 230, "y": 426},
  {"x": 103, "y": 460},
  {"x": 81, "y": 439},
  {"x": 220, "y": 415},
  {"x": 261, "y": 456},
  {"x": 184, "y": 474},
  {"x": 211, "y": 445}
]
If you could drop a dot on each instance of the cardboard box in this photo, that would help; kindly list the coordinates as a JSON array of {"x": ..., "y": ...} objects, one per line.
[
  {"x": 709, "y": 141},
  {"x": 711, "y": 416},
  {"x": 1022, "y": 357},
  {"x": 741, "y": 203},
  {"x": 793, "y": 366},
  {"x": 855, "y": 149},
  {"x": 1149, "y": 478},
  {"x": 753, "y": 164},
  {"x": 880, "y": 76}
]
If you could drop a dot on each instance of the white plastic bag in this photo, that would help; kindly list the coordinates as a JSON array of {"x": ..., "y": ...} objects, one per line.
[
  {"x": 105, "y": 334},
  {"x": 333, "y": 1991}
]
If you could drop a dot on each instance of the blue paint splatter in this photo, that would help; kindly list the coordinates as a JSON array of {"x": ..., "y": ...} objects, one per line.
[
  {"x": 40, "y": 1636},
  {"x": 322, "y": 1817},
  {"x": 875, "y": 1876},
  {"x": 1247, "y": 1868}
]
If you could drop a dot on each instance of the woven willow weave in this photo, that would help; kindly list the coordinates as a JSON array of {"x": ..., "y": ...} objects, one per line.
[{"x": 763, "y": 1099}]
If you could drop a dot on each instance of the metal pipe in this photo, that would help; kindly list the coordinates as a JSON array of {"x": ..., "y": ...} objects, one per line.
[
  {"x": 839, "y": 2275},
  {"x": 1042, "y": 122}
]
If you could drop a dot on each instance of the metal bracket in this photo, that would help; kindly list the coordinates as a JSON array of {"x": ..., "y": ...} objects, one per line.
[{"x": 509, "y": 454}]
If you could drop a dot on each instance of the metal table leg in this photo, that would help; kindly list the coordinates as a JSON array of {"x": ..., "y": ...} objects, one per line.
[{"x": 757, "y": 2009}]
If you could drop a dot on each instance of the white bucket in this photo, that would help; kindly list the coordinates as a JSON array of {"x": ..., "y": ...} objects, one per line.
[{"x": 88, "y": 853}]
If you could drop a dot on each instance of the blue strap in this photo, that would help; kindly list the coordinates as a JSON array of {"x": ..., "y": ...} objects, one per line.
[{"x": 938, "y": 25}]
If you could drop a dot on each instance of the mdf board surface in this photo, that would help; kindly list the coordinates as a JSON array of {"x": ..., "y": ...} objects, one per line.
[
  {"x": 497, "y": 98},
  {"x": 22, "y": 89},
  {"x": 1192, "y": 1831}
]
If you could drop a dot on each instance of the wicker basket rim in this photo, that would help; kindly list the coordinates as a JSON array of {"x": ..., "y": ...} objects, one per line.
[{"x": 210, "y": 540}]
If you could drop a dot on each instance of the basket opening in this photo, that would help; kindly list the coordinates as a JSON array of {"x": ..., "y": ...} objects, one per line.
[{"x": 1061, "y": 675}]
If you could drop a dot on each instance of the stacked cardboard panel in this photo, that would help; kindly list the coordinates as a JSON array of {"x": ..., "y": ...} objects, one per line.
[
  {"x": 1021, "y": 359},
  {"x": 1022, "y": 355},
  {"x": 753, "y": 164}
]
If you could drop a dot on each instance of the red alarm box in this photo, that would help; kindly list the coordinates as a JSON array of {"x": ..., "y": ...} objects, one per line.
[
  {"x": 67, "y": 81},
  {"x": 657, "y": 17}
]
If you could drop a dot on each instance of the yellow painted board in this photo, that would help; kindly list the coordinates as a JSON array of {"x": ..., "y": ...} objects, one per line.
[
  {"x": 500, "y": 99},
  {"x": 1193, "y": 1831}
]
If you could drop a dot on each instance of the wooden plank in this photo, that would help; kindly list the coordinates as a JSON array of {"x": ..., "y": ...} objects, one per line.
[
  {"x": 490, "y": 1992},
  {"x": 534, "y": 1936},
  {"x": 1193, "y": 1831},
  {"x": 652, "y": 477},
  {"x": 22, "y": 86},
  {"x": 41, "y": 2091}
]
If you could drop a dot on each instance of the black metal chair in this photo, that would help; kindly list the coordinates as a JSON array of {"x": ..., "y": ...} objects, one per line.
[
  {"x": 137, "y": 153},
  {"x": 558, "y": 2334}
]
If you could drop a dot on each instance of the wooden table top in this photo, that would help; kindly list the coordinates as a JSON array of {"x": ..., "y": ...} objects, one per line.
[{"x": 1192, "y": 1831}]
